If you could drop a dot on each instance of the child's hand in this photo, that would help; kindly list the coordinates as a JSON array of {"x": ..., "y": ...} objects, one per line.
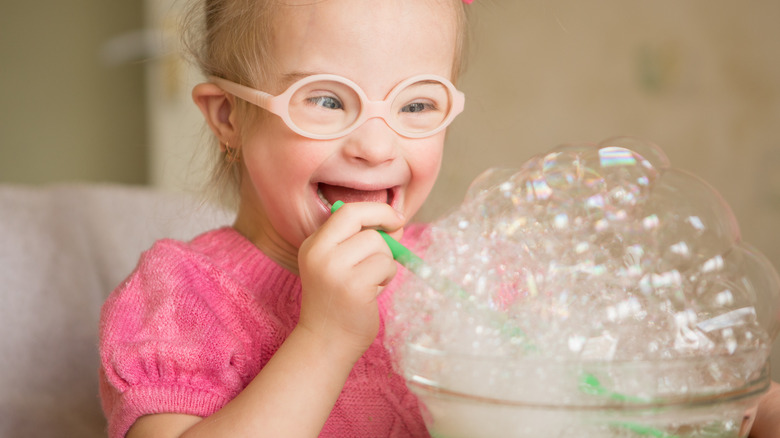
[
  {"x": 767, "y": 424},
  {"x": 343, "y": 266}
]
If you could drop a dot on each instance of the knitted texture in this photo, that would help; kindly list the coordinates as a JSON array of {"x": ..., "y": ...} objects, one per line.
[{"x": 195, "y": 322}]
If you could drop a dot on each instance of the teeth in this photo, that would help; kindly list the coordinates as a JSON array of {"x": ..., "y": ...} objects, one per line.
[{"x": 324, "y": 200}]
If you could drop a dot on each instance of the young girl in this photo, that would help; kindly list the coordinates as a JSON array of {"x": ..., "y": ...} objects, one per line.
[{"x": 273, "y": 327}]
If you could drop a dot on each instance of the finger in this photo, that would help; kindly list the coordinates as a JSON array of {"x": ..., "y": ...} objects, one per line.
[
  {"x": 354, "y": 217},
  {"x": 376, "y": 270},
  {"x": 361, "y": 246},
  {"x": 396, "y": 234}
]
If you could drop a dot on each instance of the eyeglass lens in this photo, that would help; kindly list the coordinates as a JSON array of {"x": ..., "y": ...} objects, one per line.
[{"x": 328, "y": 107}]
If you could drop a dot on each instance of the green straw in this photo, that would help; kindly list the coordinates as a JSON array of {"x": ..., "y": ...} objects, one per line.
[{"x": 589, "y": 384}]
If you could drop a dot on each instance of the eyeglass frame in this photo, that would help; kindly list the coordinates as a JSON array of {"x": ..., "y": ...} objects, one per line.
[{"x": 369, "y": 109}]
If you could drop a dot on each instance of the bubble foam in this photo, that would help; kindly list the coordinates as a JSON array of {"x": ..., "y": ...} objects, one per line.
[{"x": 592, "y": 253}]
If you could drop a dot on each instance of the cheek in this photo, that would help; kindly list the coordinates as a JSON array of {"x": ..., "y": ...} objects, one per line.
[
  {"x": 425, "y": 170},
  {"x": 427, "y": 161},
  {"x": 277, "y": 152}
]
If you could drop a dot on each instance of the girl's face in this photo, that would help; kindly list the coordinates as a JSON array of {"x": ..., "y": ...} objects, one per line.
[{"x": 376, "y": 45}]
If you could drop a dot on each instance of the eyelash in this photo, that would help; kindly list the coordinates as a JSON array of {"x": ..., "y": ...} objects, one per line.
[{"x": 318, "y": 101}]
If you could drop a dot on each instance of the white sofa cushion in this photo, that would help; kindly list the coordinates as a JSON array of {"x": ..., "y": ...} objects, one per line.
[{"x": 63, "y": 248}]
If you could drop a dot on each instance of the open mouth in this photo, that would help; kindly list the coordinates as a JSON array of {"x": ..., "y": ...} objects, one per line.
[{"x": 331, "y": 193}]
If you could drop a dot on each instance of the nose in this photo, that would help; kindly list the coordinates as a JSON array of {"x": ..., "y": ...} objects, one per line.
[{"x": 372, "y": 143}]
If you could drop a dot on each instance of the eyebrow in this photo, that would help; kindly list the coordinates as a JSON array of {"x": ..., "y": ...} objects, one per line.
[{"x": 290, "y": 78}]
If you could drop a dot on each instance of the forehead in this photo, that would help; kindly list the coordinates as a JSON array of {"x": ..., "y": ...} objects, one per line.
[{"x": 374, "y": 43}]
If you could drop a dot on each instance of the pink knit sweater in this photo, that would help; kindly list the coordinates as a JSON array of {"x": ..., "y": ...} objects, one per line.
[{"x": 195, "y": 322}]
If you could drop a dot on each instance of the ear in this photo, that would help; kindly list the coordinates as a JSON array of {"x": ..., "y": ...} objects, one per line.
[{"x": 218, "y": 110}]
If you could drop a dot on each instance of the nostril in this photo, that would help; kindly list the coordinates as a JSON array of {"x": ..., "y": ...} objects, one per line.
[{"x": 374, "y": 143}]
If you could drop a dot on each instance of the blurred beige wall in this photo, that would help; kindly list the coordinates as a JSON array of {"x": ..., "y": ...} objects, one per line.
[
  {"x": 700, "y": 78},
  {"x": 65, "y": 115}
]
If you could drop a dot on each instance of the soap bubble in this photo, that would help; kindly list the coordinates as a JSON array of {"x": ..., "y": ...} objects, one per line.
[{"x": 588, "y": 254}]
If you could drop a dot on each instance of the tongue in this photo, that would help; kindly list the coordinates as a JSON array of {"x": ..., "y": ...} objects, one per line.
[{"x": 346, "y": 194}]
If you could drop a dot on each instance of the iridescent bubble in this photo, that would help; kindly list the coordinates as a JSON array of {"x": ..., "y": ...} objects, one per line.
[{"x": 692, "y": 222}]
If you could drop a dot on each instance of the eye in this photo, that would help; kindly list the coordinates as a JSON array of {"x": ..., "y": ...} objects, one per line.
[
  {"x": 417, "y": 107},
  {"x": 328, "y": 102}
]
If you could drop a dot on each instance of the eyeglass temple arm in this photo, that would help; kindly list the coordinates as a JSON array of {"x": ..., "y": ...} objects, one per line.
[
  {"x": 256, "y": 97},
  {"x": 459, "y": 102}
]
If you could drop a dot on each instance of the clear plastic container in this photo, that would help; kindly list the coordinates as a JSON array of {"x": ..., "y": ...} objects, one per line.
[{"x": 499, "y": 397}]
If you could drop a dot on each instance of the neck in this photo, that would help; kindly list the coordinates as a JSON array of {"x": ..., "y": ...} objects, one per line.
[{"x": 263, "y": 237}]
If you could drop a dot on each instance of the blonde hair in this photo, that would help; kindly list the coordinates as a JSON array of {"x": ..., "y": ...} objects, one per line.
[{"x": 231, "y": 39}]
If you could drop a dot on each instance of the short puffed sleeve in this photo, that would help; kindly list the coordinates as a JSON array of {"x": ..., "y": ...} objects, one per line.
[{"x": 171, "y": 339}]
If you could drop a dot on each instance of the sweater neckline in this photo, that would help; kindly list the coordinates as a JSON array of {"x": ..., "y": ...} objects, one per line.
[{"x": 237, "y": 255}]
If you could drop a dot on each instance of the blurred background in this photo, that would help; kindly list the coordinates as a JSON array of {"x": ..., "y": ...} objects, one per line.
[{"x": 95, "y": 91}]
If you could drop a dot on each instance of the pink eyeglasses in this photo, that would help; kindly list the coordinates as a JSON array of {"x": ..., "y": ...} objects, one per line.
[{"x": 326, "y": 106}]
